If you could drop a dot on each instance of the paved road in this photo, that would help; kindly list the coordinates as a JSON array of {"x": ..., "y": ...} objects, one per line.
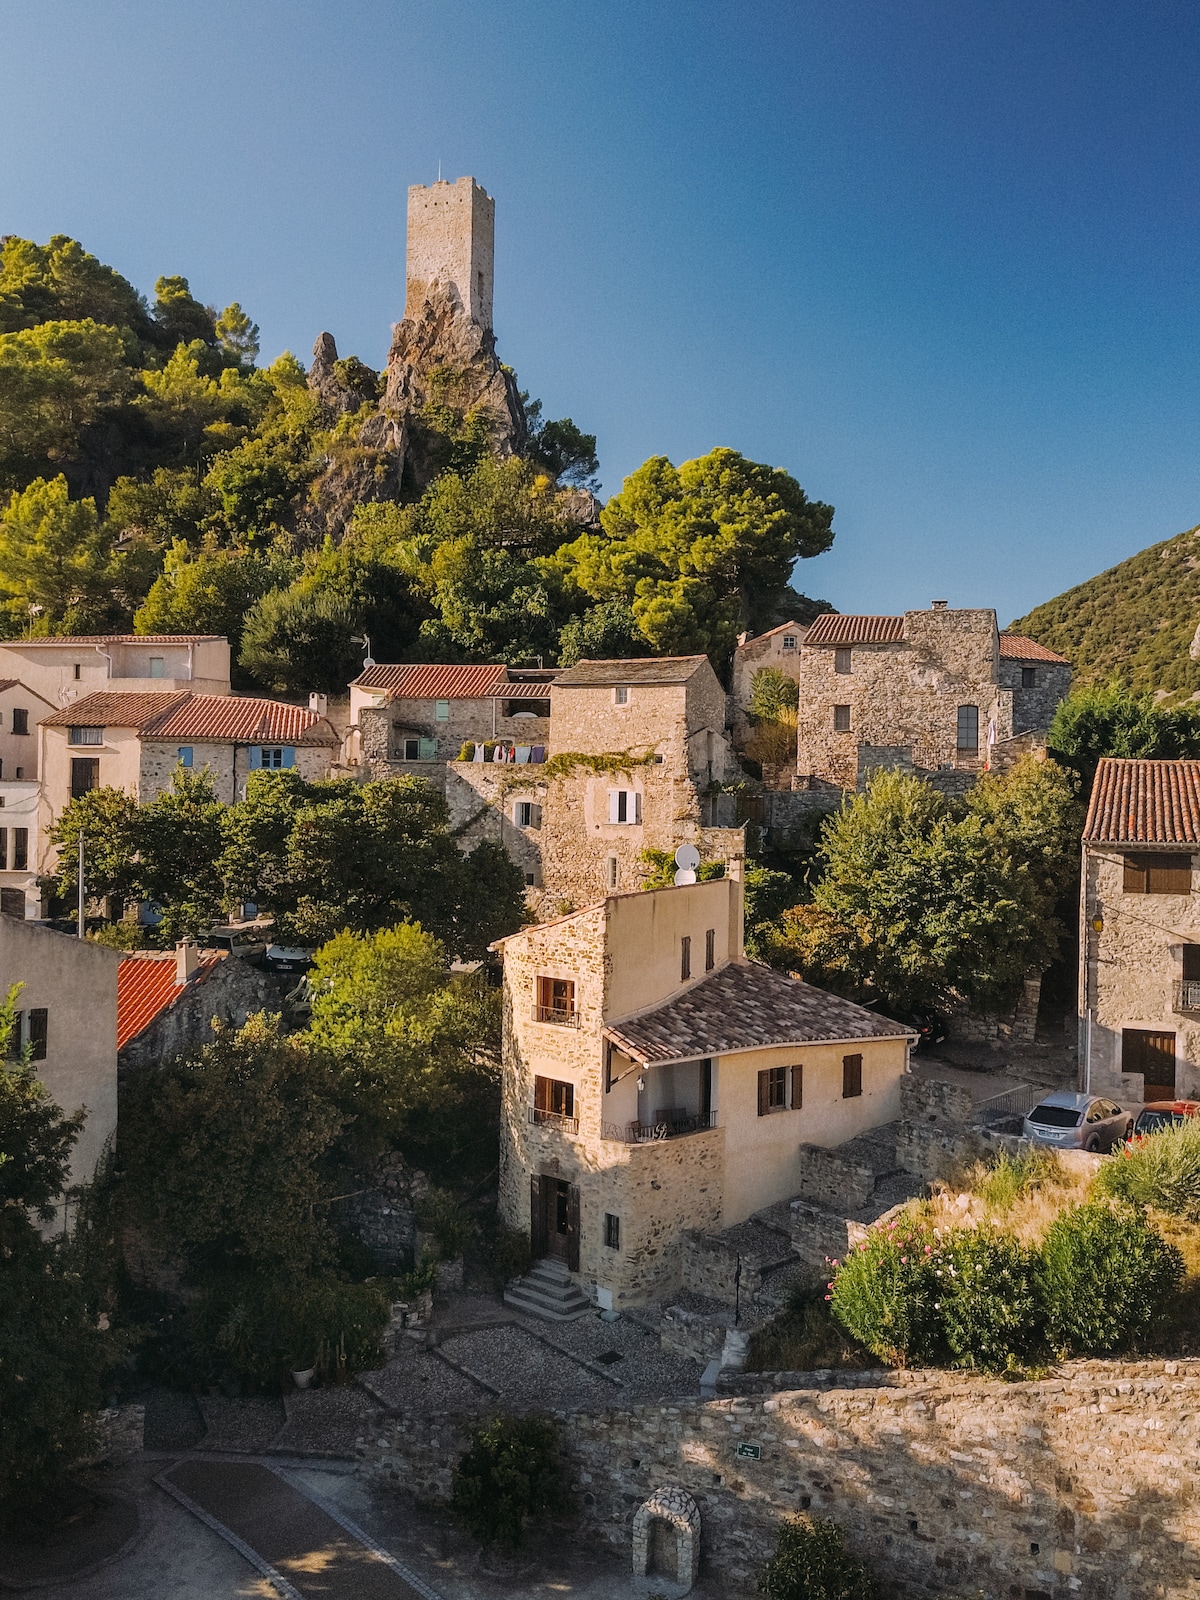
[{"x": 305, "y": 1547}]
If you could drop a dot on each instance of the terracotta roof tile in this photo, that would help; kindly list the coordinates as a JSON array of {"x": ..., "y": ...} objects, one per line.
[
  {"x": 198, "y": 716},
  {"x": 1016, "y": 647},
  {"x": 647, "y": 669},
  {"x": 146, "y": 987},
  {"x": 523, "y": 691},
  {"x": 105, "y": 709},
  {"x": 77, "y": 639},
  {"x": 428, "y": 681},
  {"x": 745, "y": 1006},
  {"x": 1144, "y": 802},
  {"x": 832, "y": 629}
]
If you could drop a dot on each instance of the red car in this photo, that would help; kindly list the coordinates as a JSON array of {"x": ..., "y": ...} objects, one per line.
[{"x": 1160, "y": 1114}]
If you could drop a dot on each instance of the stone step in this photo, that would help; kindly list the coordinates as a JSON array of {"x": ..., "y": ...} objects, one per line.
[{"x": 548, "y": 1291}]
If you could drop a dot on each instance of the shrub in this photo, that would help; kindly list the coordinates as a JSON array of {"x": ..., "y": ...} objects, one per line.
[
  {"x": 258, "y": 1332},
  {"x": 990, "y": 1308},
  {"x": 449, "y": 1221},
  {"x": 1105, "y": 1278},
  {"x": 1160, "y": 1170},
  {"x": 812, "y": 1563},
  {"x": 773, "y": 694},
  {"x": 510, "y": 1254},
  {"x": 1013, "y": 1176},
  {"x": 510, "y": 1473},
  {"x": 803, "y": 1337},
  {"x": 887, "y": 1293}
]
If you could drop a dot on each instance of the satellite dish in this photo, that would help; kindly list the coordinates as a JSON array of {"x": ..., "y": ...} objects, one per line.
[
  {"x": 687, "y": 857},
  {"x": 683, "y": 876}
]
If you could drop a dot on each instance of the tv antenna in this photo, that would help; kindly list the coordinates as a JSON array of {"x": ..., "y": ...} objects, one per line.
[{"x": 365, "y": 640}]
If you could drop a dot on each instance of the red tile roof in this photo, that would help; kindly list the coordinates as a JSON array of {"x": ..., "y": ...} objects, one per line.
[
  {"x": 146, "y": 986},
  {"x": 77, "y": 639},
  {"x": 1016, "y": 647},
  {"x": 198, "y": 716},
  {"x": 1144, "y": 802},
  {"x": 745, "y": 1006},
  {"x": 426, "y": 681},
  {"x": 523, "y": 691},
  {"x": 833, "y": 629}
]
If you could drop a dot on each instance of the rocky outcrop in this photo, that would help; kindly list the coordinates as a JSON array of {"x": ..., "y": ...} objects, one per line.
[{"x": 366, "y": 456}]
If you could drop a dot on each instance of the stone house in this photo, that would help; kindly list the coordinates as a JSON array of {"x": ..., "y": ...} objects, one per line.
[
  {"x": 67, "y": 1012},
  {"x": 937, "y": 692},
  {"x": 656, "y": 1081},
  {"x": 639, "y": 751},
  {"x": 136, "y": 741},
  {"x": 1139, "y": 950},
  {"x": 414, "y": 719},
  {"x": 167, "y": 1001},
  {"x": 778, "y": 648}
]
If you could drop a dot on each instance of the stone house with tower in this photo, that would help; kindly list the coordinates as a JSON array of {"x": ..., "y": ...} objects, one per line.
[
  {"x": 1139, "y": 943},
  {"x": 656, "y": 1081},
  {"x": 941, "y": 692}
]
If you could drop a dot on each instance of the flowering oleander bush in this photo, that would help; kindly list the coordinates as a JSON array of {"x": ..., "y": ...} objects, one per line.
[
  {"x": 1105, "y": 1279},
  {"x": 888, "y": 1292},
  {"x": 991, "y": 1313}
]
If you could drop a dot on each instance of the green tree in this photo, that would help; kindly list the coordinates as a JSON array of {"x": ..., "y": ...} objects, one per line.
[
  {"x": 812, "y": 1563},
  {"x": 53, "y": 1354},
  {"x": 60, "y": 281},
  {"x": 560, "y": 448},
  {"x": 237, "y": 336},
  {"x": 773, "y": 694},
  {"x": 179, "y": 316},
  {"x": 604, "y": 632},
  {"x": 56, "y": 380},
  {"x": 180, "y": 836},
  {"x": 511, "y": 1473},
  {"x": 108, "y": 819},
  {"x": 210, "y": 590},
  {"x": 701, "y": 551},
  {"x": 55, "y": 557},
  {"x": 1111, "y": 720}
]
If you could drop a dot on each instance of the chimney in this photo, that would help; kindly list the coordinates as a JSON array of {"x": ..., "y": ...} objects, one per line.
[
  {"x": 940, "y": 605},
  {"x": 318, "y": 703},
  {"x": 735, "y": 874},
  {"x": 187, "y": 960}
]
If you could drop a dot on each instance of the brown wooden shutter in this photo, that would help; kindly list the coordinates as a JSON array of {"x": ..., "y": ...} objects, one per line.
[
  {"x": 851, "y": 1077},
  {"x": 797, "y": 1087},
  {"x": 1169, "y": 875},
  {"x": 764, "y": 1092},
  {"x": 573, "y": 1227},
  {"x": 538, "y": 1237}
]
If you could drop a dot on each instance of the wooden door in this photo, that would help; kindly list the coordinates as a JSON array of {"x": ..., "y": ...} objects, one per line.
[{"x": 1153, "y": 1055}]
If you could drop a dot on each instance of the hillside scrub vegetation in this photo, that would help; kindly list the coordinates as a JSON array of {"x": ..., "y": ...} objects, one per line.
[{"x": 154, "y": 477}]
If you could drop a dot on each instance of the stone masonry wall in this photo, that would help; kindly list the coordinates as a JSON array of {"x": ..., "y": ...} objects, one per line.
[
  {"x": 234, "y": 991},
  {"x": 1079, "y": 1483},
  {"x": 831, "y": 1180}
]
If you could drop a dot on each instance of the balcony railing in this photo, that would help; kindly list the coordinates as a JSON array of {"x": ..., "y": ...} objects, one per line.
[
  {"x": 1187, "y": 995},
  {"x": 651, "y": 1132},
  {"x": 560, "y": 1015},
  {"x": 553, "y": 1119}
]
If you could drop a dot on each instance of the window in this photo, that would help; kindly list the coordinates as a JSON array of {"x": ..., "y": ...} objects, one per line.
[
  {"x": 20, "y": 720},
  {"x": 184, "y": 754},
  {"x": 270, "y": 757},
  {"x": 20, "y": 774},
  {"x": 851, "y": 1077},
  {"x": 772, "y": 1090},
  {"x": 555, "y": 1000},
  {"x": 158, "y": 667},
  {"x": 797, "y": 1087},
  {"x": 527, "y": 708},
  {"x": 20, "y": 849},
  {"x": 85, "y": 776},
  {"x": 968, "y": 730},
  {"x": 78, "y": 672},
  {"x": 621, "y": 695},
  {"x": 842, "y": 658},
  {"x": 528, "y": 814},
  {"x": 441, "y": 711},
  {"x": 624, "y": 805},
  {"x": 412, "y": 749},
  {"x": 553, "y": 1096},
  {"x": 1155, "y": 874},
  {"x": 710, "y": 949},
  {"x": 612, "y": 1231},
  {"x": 685, "y": 956},
  {"x": 611, "y": 871},
  {"x": 3, "y": 849},
  {"x": 38, "y": 1029},
  {"x": 841, "y": 719},
  {"x": 86, "y": 736},
  {"x": 788, "y": 641},
  {"x": 1029, "y": 677}
]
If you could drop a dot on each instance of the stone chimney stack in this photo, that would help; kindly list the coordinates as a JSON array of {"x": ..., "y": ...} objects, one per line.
[{"x": 187, "y": 961}]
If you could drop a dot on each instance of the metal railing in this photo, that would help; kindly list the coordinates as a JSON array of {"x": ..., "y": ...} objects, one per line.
[
  {"x": 652, "y": 1132},
  {"x": 560, "y": 1015},
  {"x": 553, "y": 1119},
  {"x": 1187, "y": 995},
  {"x": 1008, "y": 1103}
]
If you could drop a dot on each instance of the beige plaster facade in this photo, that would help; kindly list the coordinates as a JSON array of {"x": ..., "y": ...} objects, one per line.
[
  {"x": 63, "y": 670},
  {"x": 451, "y": 234},
  {"x": 638, "y": 1174},
  {"x": 72, "y": 985}
]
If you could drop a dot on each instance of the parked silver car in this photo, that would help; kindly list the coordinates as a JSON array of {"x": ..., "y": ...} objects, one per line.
[{"x": 1078, "y": 1122}]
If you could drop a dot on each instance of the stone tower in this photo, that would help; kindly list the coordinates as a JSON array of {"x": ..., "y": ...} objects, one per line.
[{"x": 451, "y": 227}]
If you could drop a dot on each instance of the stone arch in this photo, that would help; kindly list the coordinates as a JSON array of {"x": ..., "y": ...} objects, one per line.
[{"x": 678, "y": 1516}]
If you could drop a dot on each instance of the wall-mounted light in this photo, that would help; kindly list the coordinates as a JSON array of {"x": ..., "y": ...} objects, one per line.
[
  {"x": 1097, "y": 924},
  {"x": 641, "y": 1083}
]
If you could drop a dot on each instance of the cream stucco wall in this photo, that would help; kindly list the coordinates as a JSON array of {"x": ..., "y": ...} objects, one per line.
[
  {"x": 123, "y": 666},
  {"x": 77, "y": 984}
]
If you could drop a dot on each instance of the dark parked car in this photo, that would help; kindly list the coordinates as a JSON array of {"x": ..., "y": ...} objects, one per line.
[
  {"x": 1160, "y": 1114},
  {"x": 928, "y": 1027},
  {"x": 1078, "y": 1122},
  {"x": 287, "y": 958}
]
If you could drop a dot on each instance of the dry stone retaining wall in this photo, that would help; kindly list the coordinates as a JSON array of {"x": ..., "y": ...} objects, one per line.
[{"x": 1080, "y": 1483}]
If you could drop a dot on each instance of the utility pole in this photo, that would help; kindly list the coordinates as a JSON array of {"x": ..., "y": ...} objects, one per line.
[{"x": 81, "y": 890}]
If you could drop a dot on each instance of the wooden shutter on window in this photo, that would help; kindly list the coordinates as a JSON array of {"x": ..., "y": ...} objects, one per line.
[
  {"x": 797, "y": 1087},
  {"x": 764, "y": 1092},
  {"x": 573, "y": 1228},
  {"x": 254, "y": 757},
  {"x": 1191, "y": 963},
  {"x": 537, "y": 1214},
  {"x": 1170, "y": 875},
  {"x": 851, "y": 1077}
]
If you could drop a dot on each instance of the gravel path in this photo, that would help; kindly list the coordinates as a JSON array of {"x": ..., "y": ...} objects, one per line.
[
  {"x": 249, "y": 1425},
  {"x": 527, "y": 1372},
  {"x": 415, "y": 1380}
]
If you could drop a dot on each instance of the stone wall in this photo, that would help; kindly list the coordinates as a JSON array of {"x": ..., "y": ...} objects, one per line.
[
  {"x": 233, "y": 991},
  {"x": 710, "y": 1266},
  {"x": 1078, "y": 1483},
  {"x": 383, "y": 1214},
  {"x": 833, "y": 1180},
  {"x": 1034, "y": 708}
]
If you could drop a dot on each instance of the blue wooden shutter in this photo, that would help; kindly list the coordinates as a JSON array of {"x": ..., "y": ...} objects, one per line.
[
  {"x": 289, "y": 756},
  {"x": 254, "y": 757}
]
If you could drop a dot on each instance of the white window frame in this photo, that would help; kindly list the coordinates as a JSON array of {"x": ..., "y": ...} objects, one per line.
[
  {"x": 788, "y": 641},
  {"x": 628, "y": 801},
  {"x": 621, "y": 695},
  {"x": 269, "y": 752}
]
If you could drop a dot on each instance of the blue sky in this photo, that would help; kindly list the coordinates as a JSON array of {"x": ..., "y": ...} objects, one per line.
[{"x": 937, "y": 259}]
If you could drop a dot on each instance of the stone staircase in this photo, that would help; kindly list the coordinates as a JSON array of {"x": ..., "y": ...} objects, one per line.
[{"x": 548, "y": 1291}]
